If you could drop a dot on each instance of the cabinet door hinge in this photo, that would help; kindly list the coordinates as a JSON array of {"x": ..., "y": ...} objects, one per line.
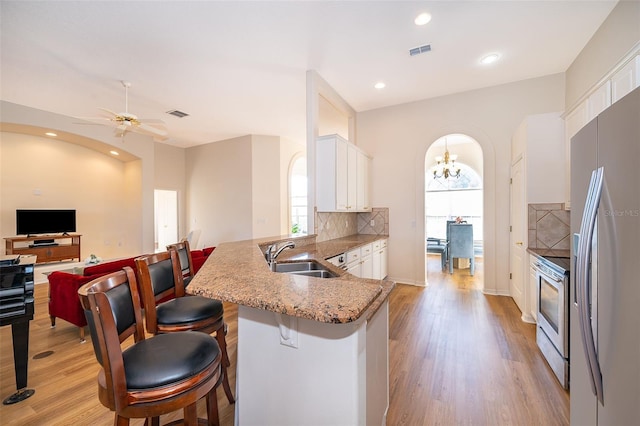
[
  {"x": 510, "y": 276},
  {"x": 510, "y": 228},
  {"x": 510, "y": 180}
]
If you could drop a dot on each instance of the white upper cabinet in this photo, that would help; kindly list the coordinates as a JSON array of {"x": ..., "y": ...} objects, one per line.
[
  {"x": 576, "y": 120},
  {"x": 362, "y": 179},
  {"x": 599, "y": 100},
  {"x": 342, "y": 173},
  {"x": 625, "y": 80}
]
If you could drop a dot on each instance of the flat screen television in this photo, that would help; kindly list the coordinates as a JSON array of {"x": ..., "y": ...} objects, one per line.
[{"x": 32, "y": 222}]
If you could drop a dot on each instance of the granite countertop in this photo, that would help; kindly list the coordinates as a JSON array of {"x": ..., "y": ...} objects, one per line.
[{"x": 237, "y": 272}]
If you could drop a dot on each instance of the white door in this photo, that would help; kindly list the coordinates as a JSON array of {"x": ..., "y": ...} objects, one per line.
[
  {"x": 518, "y": 228},
  {"x": 166, "y": 218}
]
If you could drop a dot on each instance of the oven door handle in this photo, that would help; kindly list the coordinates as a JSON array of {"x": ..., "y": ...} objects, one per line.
[{"x": 583, "y": 280}]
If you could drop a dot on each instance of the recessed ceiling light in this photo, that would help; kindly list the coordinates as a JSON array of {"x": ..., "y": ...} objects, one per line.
[
  {"x": 380, "y": 85},
  {"x": 114, "y": 152},
  {"x": 422, "y": 19},
  {"x": 490, "y": 58},
  {"x": 53, "y": 135}
]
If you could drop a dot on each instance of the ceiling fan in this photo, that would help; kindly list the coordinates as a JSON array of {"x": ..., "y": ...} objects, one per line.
[{"x": 126, "y": 122}]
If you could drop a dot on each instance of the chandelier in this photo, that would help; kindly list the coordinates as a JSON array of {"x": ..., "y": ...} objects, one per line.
[{"x": 446, "y": 167}]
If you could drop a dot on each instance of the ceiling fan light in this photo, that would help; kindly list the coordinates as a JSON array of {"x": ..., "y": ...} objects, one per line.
[{"x": 422, "y": 19}]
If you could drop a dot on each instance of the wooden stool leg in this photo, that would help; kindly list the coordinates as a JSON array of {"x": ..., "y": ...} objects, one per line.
[
  {"x": 222, "y": 342},
  {"x": 225, "y": 362},
  {"x": 53, "y": 321},
  {"x": 82, "y": 339},
  {"x": 226, "y": 387},
  {"x": 190, "y": 415},
  {"x": 212, "y": 409},
  {"x": 120, "y": 421}
]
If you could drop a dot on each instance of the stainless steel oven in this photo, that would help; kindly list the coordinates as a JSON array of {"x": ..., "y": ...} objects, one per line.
[{"x": 552, "y": 336}]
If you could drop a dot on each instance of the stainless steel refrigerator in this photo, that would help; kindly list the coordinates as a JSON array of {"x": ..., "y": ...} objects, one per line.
[{"x": 605, "y": 278}]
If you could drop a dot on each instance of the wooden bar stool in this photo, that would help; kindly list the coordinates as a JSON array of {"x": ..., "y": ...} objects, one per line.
[
  {"x": 153, "y": 376},
  {"x": 168, "y": 309}
]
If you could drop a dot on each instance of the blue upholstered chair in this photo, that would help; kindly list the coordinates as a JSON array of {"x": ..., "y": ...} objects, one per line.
[
  {"x": 438, "y": 246},
  {"x": 461, "y": 244}
]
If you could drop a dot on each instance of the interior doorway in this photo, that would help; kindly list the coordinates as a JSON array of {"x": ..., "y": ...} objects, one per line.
[
  {"x": 165, "y": 218},
  {"x": 453, "y": 192}
]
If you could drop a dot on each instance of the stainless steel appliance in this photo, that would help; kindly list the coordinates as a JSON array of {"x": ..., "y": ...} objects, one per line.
[
  {"x": 552, "y": 334},
  {"x": 338, "y": 260},
  {"x": 605, "y": 289}
]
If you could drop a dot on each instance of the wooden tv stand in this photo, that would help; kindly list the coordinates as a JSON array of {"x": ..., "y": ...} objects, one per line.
[{"x": 67, "y": 247}]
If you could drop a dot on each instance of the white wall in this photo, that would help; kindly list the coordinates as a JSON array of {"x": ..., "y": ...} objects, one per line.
[
  {"x": 137, "y": 149},
  {"x": 616, "y": 37},
  {"x": 219, "y": 190},
  {"x": 170, "y": 172},
  {"x": 267, "y": 186},
  {"x": 44, "y": 173},
  {"x": 235, "y": 188},
  {"x": 398, "y": 137},
  {"x": 331, "y": 120}
]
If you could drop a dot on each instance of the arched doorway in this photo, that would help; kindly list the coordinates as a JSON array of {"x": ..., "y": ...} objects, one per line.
[{"x": 453, "y": 190}]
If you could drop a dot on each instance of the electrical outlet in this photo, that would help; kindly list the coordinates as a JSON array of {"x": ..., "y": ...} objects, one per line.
[{"x": 372, "y": 223}]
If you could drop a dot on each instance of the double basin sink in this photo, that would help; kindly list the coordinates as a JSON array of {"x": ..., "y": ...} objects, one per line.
[{"x": 309, "y": 268}]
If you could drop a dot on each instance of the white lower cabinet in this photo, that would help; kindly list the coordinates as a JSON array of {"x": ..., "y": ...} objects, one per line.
[
  {"x": 359, "y": 262},
  {"x": 379, "y": 259},
  {"x": 366, "y": 262},
  {"x": 354, "y": 266},
  {"x": 384, "y": 260}
]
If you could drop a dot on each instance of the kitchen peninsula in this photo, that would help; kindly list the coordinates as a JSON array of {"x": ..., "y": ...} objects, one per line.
[{"x": 310, "y": 350}]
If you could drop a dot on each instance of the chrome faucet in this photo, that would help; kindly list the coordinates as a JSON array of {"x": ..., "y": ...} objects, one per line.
[{"x": 271, "y": 256}]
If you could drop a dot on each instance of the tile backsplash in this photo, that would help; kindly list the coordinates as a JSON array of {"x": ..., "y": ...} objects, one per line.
[
  {"x": 549, "y": 226},
  {"x": 331, "y": 225}
]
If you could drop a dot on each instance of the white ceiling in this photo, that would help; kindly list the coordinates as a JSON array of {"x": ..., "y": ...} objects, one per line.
[{"x": 240, "y": 67}]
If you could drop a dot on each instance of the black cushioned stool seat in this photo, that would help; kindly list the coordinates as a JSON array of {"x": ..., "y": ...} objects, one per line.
[
  {"x": 168, "y": 358},
  {"x": 188, "y": 309}
]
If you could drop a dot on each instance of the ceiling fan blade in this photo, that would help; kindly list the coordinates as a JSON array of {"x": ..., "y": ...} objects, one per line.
[
  {"x": 145, "y": 128},
  {"x": 151, "y": 121},
  {"x": 111, "y": 113}
]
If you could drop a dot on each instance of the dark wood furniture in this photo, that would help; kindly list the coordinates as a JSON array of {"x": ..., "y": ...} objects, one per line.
[
  {"x": 186, "y": 261},
  {"x": 69, "y": 249},
  {"x": 147, "y": 379},
  {"x": 168, "y": 309}
]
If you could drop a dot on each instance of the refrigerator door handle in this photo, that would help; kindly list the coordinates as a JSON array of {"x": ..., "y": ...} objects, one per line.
[{"x": 583, "y": 279}]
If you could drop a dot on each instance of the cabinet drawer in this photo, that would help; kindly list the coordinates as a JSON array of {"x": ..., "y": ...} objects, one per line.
[
  {"x": 366, "y": 250},
  {"x": 353, "y": 255}
]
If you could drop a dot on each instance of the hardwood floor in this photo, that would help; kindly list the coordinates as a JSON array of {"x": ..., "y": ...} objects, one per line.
[{"x": 457, "y": 356}]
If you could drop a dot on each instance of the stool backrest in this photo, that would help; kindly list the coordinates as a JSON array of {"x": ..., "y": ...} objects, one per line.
[
  {"x": 112, "y": 307},
  {"x": 160, "y": 280},
  {"x": 184, "y": 255}
]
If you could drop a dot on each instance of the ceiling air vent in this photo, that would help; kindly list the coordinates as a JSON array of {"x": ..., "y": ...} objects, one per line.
[
  {"x": 418, "y": 50},
  {"x": 177, "y": 113}
]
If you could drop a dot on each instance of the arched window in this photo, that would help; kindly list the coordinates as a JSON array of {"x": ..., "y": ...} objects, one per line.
[
  {"x": 298, "y": 196},
  {"x": 449, "y": 198},
  {"x": 468, "y": 179}
]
